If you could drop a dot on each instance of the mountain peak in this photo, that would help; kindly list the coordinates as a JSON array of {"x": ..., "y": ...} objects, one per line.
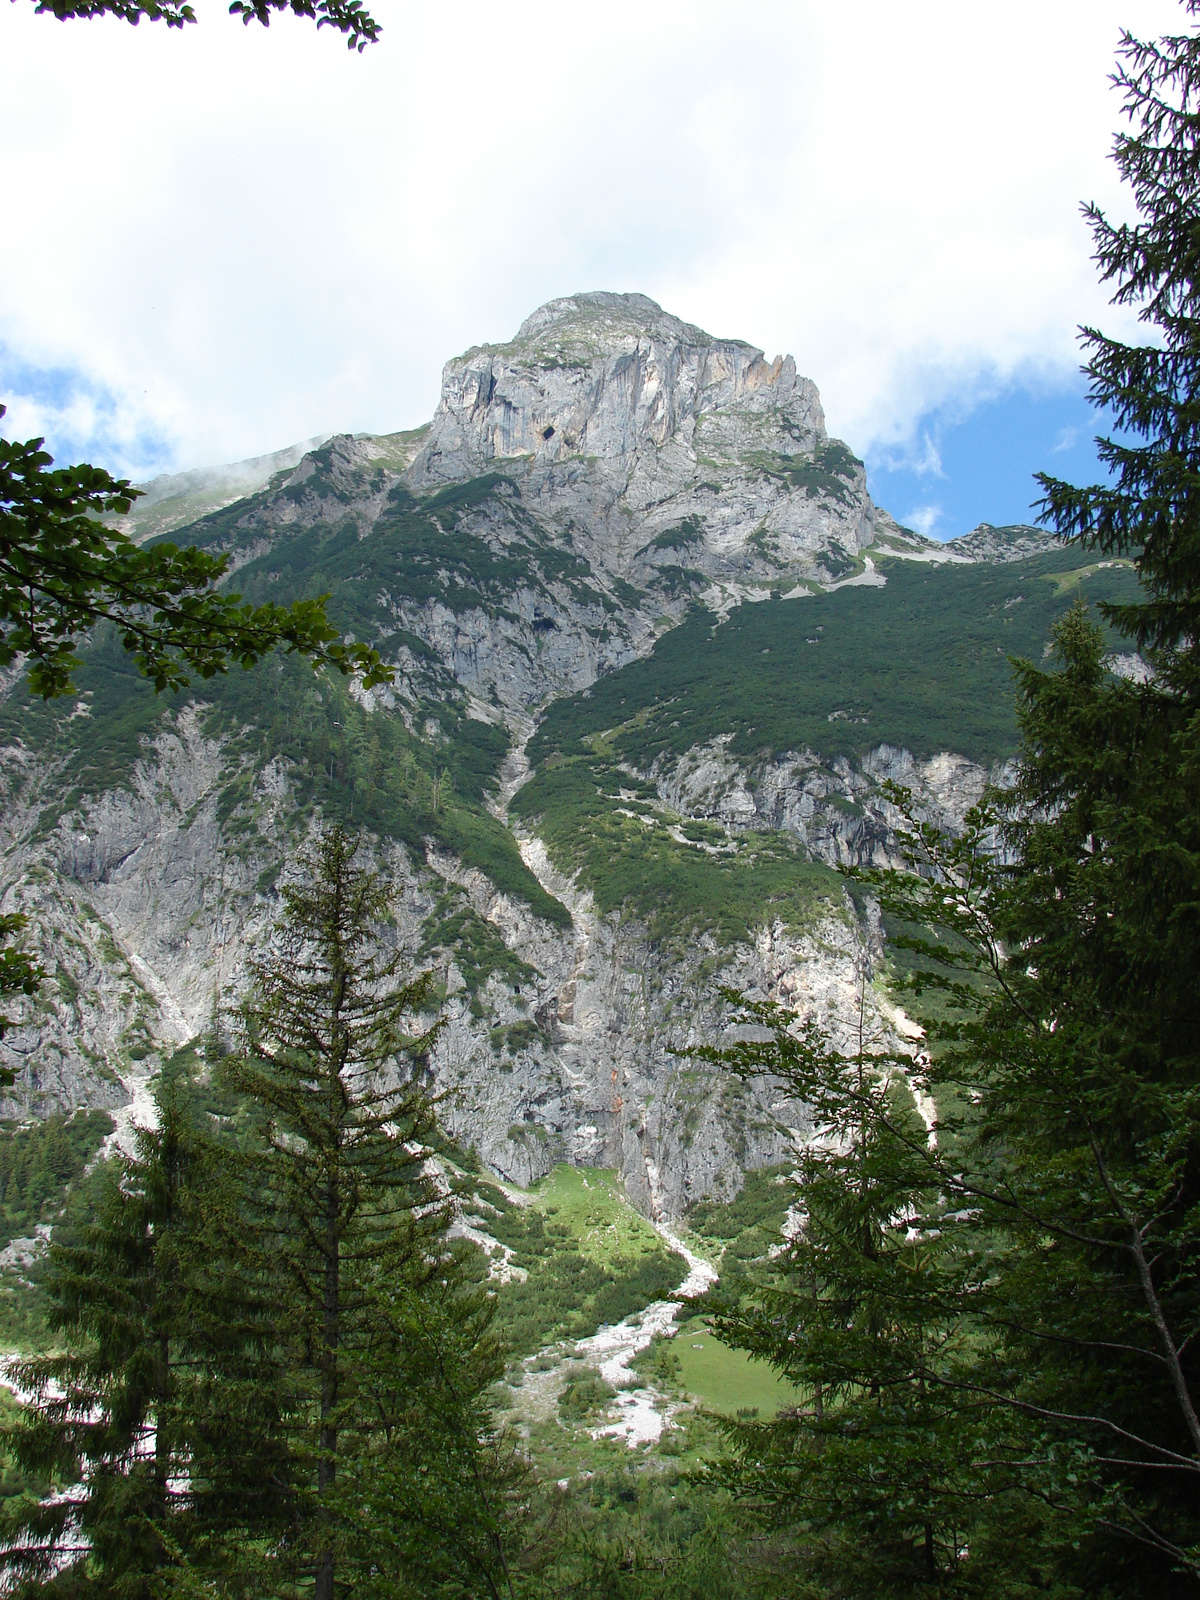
[
  {"x": 626, "y": 423},
  {"x": 1013, "y": 542},
  {"x": 615, "y": 378},
  {"x": 599, "y": 312}
]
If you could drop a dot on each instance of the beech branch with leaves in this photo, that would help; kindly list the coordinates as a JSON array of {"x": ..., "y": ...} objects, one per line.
[
  {"x": 62, "y": 571},
  {"x": 348, "y": 17}
]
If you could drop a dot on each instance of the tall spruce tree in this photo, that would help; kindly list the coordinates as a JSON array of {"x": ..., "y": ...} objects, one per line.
[
  {"x": 401, "y": 1483},
  {"x": 858, "y": 1310},
  {"x": 1062, "y": 991},
  {"x": 278, "y": 1371},
  {"x": 955, "y": 1301},
  {"x": 125, "y": 1418},
  {"x": 1105, "y": 910}
]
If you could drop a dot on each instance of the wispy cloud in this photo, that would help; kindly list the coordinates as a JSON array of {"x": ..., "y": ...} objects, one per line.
[
  {"x": 924, "y": 519},
  {"x": 237, "y": 304},
  {"x": 1065, "y": 441},
  {"x": 923, "y": 457}
]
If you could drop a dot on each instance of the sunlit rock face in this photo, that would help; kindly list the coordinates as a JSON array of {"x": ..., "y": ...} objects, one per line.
[
  {"x": 626, "y": 423},
  {"x": 609, "y": 468},
  {"x": 615, "y": 377},
  {"x": 838, "y": 808}
]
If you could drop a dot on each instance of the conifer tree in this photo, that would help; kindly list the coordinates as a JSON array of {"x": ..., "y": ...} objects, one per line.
[
  {"x": 109, "y": 1417},
  {"x": 875, "y": 1472},
  {"x": 1105, "y": 821},
  {"x": 278, "y": 1373},
  {"x": 1059, "y": 1235},
  {"x": 383, "y": 1353}
]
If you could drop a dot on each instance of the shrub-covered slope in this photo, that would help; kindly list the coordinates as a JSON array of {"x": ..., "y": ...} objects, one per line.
[
  {"x": 921, "y": 663},
  {"x": 693, "y": 788}
]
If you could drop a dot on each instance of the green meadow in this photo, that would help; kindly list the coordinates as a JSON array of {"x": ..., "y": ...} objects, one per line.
[
  {"x": 726, "y": 1380},
  {"x": 591, "y": 1203}
]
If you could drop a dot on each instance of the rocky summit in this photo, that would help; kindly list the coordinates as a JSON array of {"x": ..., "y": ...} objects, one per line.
[
  {"x": 656, "y": 651},
  {"x": 642, "y": 435}
]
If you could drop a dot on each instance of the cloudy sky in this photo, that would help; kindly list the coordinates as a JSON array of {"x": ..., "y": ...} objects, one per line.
[{"x": 223, "y": 240}]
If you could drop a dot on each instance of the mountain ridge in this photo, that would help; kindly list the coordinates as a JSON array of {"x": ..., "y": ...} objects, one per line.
[{"x": 581, "y": 901}]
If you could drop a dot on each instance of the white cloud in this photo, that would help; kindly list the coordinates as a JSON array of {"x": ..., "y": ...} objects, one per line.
[
  {"x": 245, "y": 239},
  {"x": 1066, "y": 439},
  {"x": 921, "y": 456},
  {"x": 923, "y": 518}
]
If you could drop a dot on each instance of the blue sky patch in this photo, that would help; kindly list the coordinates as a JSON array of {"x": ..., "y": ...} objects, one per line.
[
  {"x": 966, "y": 468},
  {"x": 80, "y": 419}
]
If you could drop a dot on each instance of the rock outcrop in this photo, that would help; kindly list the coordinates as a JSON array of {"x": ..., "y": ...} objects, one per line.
[
  {"x": 835, "y": 806},
  {"x": 650, "y": 443},
  {"x": 578, "y": 489}
]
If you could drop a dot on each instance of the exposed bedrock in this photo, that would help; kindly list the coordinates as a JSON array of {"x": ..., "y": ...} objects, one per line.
[{"x": 578, "y": 490}]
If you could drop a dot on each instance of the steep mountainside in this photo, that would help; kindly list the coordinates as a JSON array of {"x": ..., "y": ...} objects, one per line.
[
  {"x": 653, "y": 448},
  {"x": 655, "y": 651}
]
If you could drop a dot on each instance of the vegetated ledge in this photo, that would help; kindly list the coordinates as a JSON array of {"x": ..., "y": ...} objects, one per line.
[
  {"x": 636, "y": 859},
  {"x": 923, "y": 664}
]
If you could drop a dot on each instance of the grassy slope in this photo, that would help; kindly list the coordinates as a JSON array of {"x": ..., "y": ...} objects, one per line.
[
  {"x": 357, "y": 766},
  {"x": 679, "y": 878},
  {"x": 588, "y": 1203},
  {"x": 588, "y": 1200},
  {"x": 726, "y": 1380},
  {"x": 590, "y": 1258},
  {"x": 736, "y": 1236},
  {"x": 921, "y": 663}
]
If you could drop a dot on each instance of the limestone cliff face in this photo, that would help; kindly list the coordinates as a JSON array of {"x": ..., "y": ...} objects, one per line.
[
  {"x": 141, "y": 906},
  {"x": 616, "y": 378},
  {"x": 147, "y": 907},
  {"x": 835, "y": 806},
  {"x": 605, "y": 470},
  {"x": 146, "y": 910},
  {"x": 624, "y": 424}
]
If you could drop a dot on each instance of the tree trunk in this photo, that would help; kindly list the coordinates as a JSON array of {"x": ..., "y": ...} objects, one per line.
[
  {"x": 162, "y": 1446},
  {"x": 327, "y": 1465}
]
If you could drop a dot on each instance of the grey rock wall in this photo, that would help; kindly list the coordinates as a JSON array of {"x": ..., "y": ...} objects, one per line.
[
  {"x": 146, "y": 911},
  {"x": 621, "y": 423},
  {"x": 676, "y": 466},
  {"x": 833, "y": 805}
]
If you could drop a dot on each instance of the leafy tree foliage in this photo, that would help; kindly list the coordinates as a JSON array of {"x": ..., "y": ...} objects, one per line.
[
  {"x": 348, "y": 17},
  {"x": 62, "y": 570}
]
